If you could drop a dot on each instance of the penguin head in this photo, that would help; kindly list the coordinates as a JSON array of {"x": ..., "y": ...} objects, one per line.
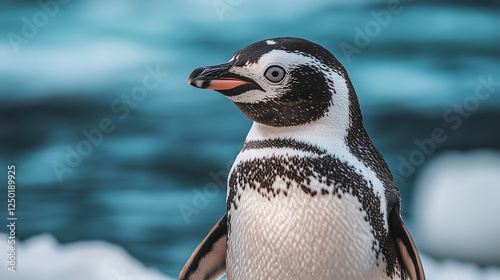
[{"x": 280, "y": 82}]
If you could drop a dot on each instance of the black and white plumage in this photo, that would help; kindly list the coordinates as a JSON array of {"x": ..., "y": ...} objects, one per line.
[{"x": 309, "y": 196}]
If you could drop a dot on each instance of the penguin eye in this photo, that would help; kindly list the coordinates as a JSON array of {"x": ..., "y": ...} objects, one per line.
[{"x": 274, "y": 73}]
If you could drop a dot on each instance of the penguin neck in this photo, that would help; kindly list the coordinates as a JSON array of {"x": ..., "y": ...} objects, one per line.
[
  {"x": 339, "y": 131},
  {"x": 329, "y": 133}
]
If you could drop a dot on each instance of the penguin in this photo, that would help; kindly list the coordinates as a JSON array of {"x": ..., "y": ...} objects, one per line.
[{"x": 309, "y": 196}]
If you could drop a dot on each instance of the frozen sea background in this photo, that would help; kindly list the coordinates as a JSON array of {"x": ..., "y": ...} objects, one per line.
[{"x": 415, "y": 73}]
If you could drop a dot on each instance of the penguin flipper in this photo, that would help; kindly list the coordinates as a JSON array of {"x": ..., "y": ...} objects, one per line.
[
  {"x": 208, "y": 261},
  {"x": 405, "y": 246}
]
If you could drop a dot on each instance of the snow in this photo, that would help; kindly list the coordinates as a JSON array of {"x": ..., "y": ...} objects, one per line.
[
  {"x": 455, "y": 270},
  {"x": 42, "y": 258},
  {"x": 456, "y": 209}
]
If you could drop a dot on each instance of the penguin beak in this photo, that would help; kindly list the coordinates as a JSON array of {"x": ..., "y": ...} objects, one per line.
[{"x": 216, "y": 77}]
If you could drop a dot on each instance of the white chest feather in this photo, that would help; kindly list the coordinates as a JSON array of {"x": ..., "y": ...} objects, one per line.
[{"x": 299, "y": 236}]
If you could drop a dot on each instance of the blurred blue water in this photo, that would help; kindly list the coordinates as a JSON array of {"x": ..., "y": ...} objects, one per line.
[{"x": 165, "y": 149}]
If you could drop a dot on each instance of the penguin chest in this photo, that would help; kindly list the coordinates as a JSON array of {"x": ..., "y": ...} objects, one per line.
[{"x": 299, "y": 230}]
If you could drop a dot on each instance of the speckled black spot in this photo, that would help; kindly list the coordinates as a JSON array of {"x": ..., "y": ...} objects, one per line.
[{"x": 260, "y": 174}]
